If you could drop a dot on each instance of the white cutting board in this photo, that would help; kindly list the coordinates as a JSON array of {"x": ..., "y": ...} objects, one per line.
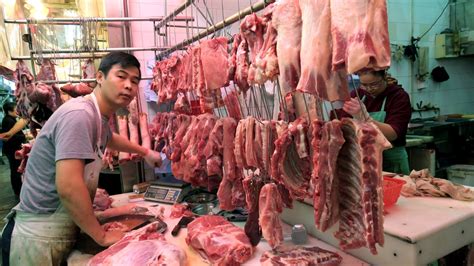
[{"x": 418, "y": 217}]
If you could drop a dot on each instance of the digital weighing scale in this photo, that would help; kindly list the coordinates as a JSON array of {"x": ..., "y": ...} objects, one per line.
[{"x": 167, "y": 190}]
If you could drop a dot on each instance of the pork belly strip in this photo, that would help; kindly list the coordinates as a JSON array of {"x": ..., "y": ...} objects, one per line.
[
  {"x": 331, "y": 142},
  {"x": 270, "y": 206},
  {"x": 123, "y": 131},
  {"x": 252, "y": 185},
  {"x": 316, "y": 183},
  {"x": 239, "y": 149},
  {"x": 287, "y": 167},
  {"x": 298, "y": 255},
  {"x": 361, "y": 198},
  {"x": 144, "y": 131}
]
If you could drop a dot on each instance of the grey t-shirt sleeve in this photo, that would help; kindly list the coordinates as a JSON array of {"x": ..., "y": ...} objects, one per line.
[{"x": 74, "y": 136}]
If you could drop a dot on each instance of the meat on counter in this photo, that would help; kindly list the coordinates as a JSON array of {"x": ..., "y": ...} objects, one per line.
[
  {"x": 296, "y": 255},
  {"x": 219, "y": 241},
  {"x": 144, "y": 246},
  {"x": 422, "y": 183},
  {"x": 102, "y": 201}
]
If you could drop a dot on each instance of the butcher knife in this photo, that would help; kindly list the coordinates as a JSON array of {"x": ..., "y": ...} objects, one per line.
[{"x": 181, "y": 224}]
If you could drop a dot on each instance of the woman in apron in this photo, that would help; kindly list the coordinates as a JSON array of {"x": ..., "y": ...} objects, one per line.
[{"x": 381, "y": 100}]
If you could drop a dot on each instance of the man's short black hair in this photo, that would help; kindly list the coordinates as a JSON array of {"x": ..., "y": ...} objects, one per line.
[
  {"x": 123, "y": 59},
  {"x": 9, "y": 107}
]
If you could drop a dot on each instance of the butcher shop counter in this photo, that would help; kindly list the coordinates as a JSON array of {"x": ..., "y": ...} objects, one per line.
[
  {"x": 194, "y": 258},
  {"x": 418, "y": 230}
]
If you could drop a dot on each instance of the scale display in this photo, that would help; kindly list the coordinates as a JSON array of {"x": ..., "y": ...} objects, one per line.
[{"x": 165, "y": 194}]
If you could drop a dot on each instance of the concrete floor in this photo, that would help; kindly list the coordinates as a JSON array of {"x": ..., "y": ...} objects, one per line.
[{"x": 7, "y": 197}]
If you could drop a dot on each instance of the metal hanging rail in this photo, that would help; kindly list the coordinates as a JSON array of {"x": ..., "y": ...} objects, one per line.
[
  {"x": 105, "y": 50},
  {"x": 91, "y": 55},
  {"x": 185, "y": 26},
  {"x": 173, "y": 14},
  {"x": 78, "y": 80},
  {"x": 73, "y": 21},
  {"x": 99, "y": 53},
  {"x": 219, "y": 25}
]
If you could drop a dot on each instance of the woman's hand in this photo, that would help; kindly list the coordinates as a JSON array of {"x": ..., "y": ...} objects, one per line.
[
  {"x": 357, "y": 109},
  {"x": 5, "y": 136},
  {"x": 19, "y": 125}
]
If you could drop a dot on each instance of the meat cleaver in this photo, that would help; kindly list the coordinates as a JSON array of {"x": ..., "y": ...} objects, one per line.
[{"x": 181, "y": 224}]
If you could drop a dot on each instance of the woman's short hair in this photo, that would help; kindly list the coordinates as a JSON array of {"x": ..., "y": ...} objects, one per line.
[{"x": 378, "y": 73}]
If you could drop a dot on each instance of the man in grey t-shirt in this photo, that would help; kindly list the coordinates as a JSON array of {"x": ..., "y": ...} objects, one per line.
[{"x": 62, "y": 170}]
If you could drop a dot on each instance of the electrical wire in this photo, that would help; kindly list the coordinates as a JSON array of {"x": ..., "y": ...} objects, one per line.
[{"x": 434, "y": 23}]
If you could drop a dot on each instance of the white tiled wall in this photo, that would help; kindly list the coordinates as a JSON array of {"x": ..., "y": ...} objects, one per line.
[{"x": 410, "y": 17}]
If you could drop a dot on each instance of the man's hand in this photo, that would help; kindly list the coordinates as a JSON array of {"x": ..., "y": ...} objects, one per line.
[
  {"x": 153, "y": 158},
  {"x": 357, "y": 109},
  {"x": 109, "y": 238}
]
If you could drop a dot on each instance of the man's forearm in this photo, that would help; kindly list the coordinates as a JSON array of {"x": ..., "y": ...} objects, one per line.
[
  {"x": 120, "y": 143},
  {"x": 77, "y": 202},
  {"x": 75, "y": 198}
]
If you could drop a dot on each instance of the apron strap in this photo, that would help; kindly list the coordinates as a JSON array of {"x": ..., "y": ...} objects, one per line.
[
  {"x": 99, "y": 136},
  {"x": 6, "y": 241},
  {"x": 383, "y": 104}
]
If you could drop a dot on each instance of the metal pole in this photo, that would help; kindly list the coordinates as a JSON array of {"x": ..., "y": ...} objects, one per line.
[
  {"x": 230, "y": 20},
  {"x": 126, "y": 25},
  {"x": 80, "y": 20},
  {"x": 78, "y": 80},
  {"x": 173, "y": 14},
  {"x": 154, "y": 37},
  {"x": 105, "y": 50},
  {"x": 185, "y": 26},
  {"x": 61, "y": 57},
  {"x": 203, "y": 15},
  {"x": 30, "y": 46},
  {"x": 165, "y": 37}
]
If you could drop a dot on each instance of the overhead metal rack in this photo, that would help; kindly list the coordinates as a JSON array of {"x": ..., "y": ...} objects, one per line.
[
  {"x": 66, "y": 54},
  {"x": 218, "y": 26},
  {"x": 75, "y": 21},
  {"x": 78, "y": 80},
  {"x": 173, "y": 15},
  {"x": 212, "y": 28},
  {"x": 118, "y": 49},
  {"x": 56, "y": 56}
]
